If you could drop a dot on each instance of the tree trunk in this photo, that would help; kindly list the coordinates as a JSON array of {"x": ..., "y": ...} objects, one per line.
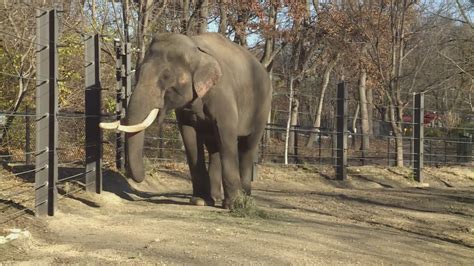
[
  {"x": 293, "y": 122},
  {"x": 185, "y": 17},
  {"x": 288, "y": 124},
  {"x": 354, "y": 120},
  {"x": 398, "y": 136},
  {"x": 125, "y": 8},
  {"x": 223, "y": 17},
  {"x": 268, "y": 56},
  {"x": 203, "y": 16},
  {"x": 143, "y": 29},
  {"x": 363, "y": 111},
  {"x": 240, "y": 28},
  {"x": 370, "y": 109},
  {"x": 22, "y": 88},
  {"x": 319, "y": 110}
]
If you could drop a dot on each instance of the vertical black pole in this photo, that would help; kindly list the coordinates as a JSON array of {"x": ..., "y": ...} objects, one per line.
[
  {"x": 319, "y": 146},
  {"x": 27, "y": 137},
  {"x": 93, "y": 98},
  {"x": 119, "y": 108},
  {"x": 127, "y": 77},
  {"x": 430, "y": 158},
  {"x": 445, "y": 152},
  {"x": 418, "y": 137},
  {"x": 412, "y": 140},
  {"x": 341, "y": 131},
  {"x": 295, "y": 144},
  {"x": 388, "y": 151},
  {"x": 160, "y": 142},
  {"x": 333, "y": 148},
  {"x": 127, "y": 88},
  {"x": 262, "y": 143},
  {"x": 46, "y": 175}
]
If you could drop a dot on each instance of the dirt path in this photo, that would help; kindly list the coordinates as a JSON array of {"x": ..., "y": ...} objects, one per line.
[{"x": 373, "y": 219}]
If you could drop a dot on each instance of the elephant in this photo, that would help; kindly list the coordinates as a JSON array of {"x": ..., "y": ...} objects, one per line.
[{"x": 221, "y": 95}]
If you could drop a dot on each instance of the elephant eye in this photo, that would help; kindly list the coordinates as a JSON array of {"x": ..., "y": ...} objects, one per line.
[{"x": 173, "y": 88}]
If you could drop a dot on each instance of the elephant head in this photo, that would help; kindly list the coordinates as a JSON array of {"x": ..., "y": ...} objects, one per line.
[{"x": 174, "y": 73}]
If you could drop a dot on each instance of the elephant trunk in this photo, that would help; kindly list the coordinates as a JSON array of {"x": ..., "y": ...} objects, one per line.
[
  {"x": 134, "y": 155},
  {"x": 134, "y": 151}
]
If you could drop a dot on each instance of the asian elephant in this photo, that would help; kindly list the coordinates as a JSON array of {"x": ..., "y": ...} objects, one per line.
[{"x": 221, "y": 95}]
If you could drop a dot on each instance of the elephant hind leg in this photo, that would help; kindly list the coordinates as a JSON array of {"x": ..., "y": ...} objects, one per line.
[
  {"x": 248, "y": 147},
  {"x": 215, "y": 171}
]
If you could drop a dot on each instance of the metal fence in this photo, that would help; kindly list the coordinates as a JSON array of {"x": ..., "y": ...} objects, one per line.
[
  {"x": 68, "y": 145},
  {"x": 62, "y": 148}
]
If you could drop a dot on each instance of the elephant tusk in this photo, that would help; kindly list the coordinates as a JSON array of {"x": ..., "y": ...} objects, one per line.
[
  {"x": 133, "y": 128},
  {"x": 110, "y": 125},
  {"x": 143, "y": 125}
]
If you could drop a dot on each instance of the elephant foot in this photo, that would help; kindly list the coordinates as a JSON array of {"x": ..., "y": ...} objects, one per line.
[
  {"x": 198, "y": 201},
  {"x": 228, "y": 204}
]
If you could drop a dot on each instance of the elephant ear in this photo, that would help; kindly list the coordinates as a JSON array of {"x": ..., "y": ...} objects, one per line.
[{"x": 207, "y": 73}]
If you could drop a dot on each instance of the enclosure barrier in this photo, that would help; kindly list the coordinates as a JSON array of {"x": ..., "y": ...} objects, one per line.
[
  {"x": 332, "y": 144},
  {"x": 46, "y": 176},
  {"x": 123, "y": 89}
]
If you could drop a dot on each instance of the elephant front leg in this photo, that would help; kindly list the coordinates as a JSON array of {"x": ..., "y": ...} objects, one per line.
[
  {"x": 194, "y": 147},
  {"x": 230, "y": 162}
]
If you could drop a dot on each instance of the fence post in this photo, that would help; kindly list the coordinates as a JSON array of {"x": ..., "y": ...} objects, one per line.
[
  {"x": 127, "y": 74},
  {"x": 27, "y": 137},
  {"x": 295, "y": 144},
  {"x": 46, "y": 175},
  {"x": 418, "y": 137},
  {"x": 160, "y": 143},
  {"x": 119, "y": 107},
  {"x": 341, "y": 131},
  {"x": 389, "y": 164},
  {"x": 124, "y": 90},
  {"x": 319, "y": 146},
  {"x": 93, "y": 99}
]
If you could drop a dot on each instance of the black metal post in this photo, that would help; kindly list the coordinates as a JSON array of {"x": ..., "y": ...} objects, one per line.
[
  {"x": 93, "y": 99},
  {"x": 127, "y": 72},
  {"x": 46, "y": 174},
  {"x": 388, "y": 151},
  {"x": 27, "y": 137},
  {"x": 262, "y": 144},
  {"x": 418, "y": 137},
  {"x": 295, "y": 144},
  {"x": 119, "y": 108},
  {"x": 341, "y": 131},
  {"x": 127, "y": 88},
  {"x": 160, "y": 143},
  {"x": 319, "y": 146},
  {"x": 445, "y": 152}
]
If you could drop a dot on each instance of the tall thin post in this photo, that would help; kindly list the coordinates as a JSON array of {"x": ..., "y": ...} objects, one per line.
[
  {"x": 46, "y": 175},
  {"x": 388, "y": 151},
  {"x": 27, "y": 137},
  {"x": 295, "y": 144},
  {"x": 127, "y": 87},
  {"x": 127, "y": 71},
  {"x": 418, "y": 137},
  {"x": 93, "y": 99},
  {"x": 119, "y": 107},
  {"x": 341, "y": 131},
  {"x": 319, "y": 146},
  {"x": 160, "y": 143}
]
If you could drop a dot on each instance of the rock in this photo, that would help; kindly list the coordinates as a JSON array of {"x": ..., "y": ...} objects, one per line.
[{"x": 14, "y": 235}]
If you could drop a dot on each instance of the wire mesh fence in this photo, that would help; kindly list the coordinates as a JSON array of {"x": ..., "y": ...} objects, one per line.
[{"x": 443, "y": 141}]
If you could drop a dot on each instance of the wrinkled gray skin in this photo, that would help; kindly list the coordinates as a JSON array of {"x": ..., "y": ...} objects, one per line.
[{"x": 221, "y": 95}]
